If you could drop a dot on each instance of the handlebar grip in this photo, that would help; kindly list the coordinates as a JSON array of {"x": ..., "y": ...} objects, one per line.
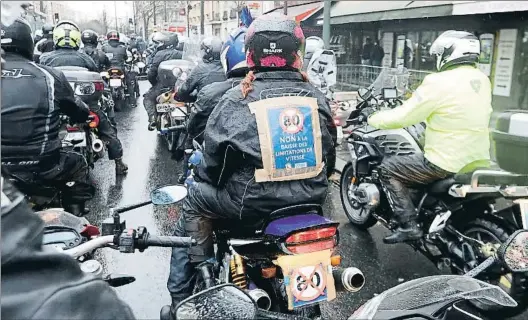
[
  {"x": 169, "y": 241},
  {"x": 172, "y": 129}
]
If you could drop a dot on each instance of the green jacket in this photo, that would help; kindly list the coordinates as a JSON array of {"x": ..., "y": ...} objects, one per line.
[{"x": 456, "y": 106}]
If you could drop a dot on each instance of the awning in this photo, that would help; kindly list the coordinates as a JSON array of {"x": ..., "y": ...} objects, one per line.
[
  {"x": 299, "y": 12},
  {"x": 482, "y": 7},
  {"x": 368, "y": 11}
]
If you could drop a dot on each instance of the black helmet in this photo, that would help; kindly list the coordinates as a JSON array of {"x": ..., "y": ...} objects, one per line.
[
  {"x": 275, "y": 42},
  {"x": 211, "y": 48},
  {"x": 47, "y": 30},
  {"x": 172, "y": 41},
  {"x": 89, "y": 37},
  {"x": 17, "y": 37}
]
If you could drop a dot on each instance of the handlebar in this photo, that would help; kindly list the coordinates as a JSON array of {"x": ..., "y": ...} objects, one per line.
[
  {"x": 172, "y": 129},
  {"x": 140, "y": 243}
]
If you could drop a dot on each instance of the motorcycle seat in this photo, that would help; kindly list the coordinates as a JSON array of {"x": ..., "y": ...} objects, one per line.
[
  {"x": 441, "y": 186},
  {"x": 247, "y": 228}
]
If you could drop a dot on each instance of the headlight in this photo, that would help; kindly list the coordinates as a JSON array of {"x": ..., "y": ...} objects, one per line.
[{"x": 84, "y": 88}]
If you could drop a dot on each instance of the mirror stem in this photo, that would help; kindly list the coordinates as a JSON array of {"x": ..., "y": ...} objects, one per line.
[{"x": 131, "y": 207}]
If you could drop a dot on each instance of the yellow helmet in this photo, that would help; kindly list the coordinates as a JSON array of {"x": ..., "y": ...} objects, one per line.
[{"x": 67, "y": 34}]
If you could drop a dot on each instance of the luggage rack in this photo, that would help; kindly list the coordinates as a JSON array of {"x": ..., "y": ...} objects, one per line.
[{"x": 461, "y": 190}]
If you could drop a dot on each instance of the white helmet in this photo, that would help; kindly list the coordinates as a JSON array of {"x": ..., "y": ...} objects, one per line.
[
  {"x": 454, "y": 48},
  {"x": 313, "y": 44}
]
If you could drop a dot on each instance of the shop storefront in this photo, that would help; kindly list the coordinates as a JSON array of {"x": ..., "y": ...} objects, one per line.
[{"x": 406, "y": 34}]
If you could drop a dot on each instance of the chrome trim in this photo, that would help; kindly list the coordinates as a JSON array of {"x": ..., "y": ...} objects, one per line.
[
  {"x": 491, "y": 173},
  {"x": 242, "y": 242}
]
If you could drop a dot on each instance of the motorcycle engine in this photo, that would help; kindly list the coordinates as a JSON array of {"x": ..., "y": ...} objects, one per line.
[{"x": 368, "y": 195}]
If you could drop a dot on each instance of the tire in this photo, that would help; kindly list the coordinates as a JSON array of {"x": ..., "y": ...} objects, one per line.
[
  {"x": 519, "y": 282},
  {"x": 119, "y": 105},
  {"x": 362, "y": 223}
]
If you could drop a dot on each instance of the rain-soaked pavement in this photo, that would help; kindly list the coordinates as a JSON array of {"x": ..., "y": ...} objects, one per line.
[{"x": 150, "y": 166}]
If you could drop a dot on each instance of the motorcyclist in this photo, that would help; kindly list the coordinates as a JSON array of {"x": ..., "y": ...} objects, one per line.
[
  {"x": 89, "y": 39},
  {"x": 158, "y": 40},
  {"x": 41, "y": 283},
  {"x": 209, "y": 71},
  {"x": 312, "y": 45},
  {"x": 233, "y": 60},
  {"x": 47, "y": 34},
  {"x": 67, "y": 40},
  {"x": 31, "y": 147},
  {"x": 107, "y": 128},
  {"x": 226, "y": 184},
  {"x": 119, "y": 55},
  {"x": 167, "y": 51},
  {"x": 455, "y": 103}
]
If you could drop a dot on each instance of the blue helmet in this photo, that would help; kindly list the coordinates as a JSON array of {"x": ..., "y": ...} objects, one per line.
[{"x": 233, "y": 55}]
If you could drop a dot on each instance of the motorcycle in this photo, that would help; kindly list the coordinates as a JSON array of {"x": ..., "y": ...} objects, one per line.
[
  {"x": 115, "y": 79},
  {"x": 457, "y": 214},
  {"x": 78, "y": 239},
  {"x": 139, "y": 62},
  {"x": 170, "y": 112},
  {"x": 445, "y": 297},
  {"x": 285, "y": 263}
]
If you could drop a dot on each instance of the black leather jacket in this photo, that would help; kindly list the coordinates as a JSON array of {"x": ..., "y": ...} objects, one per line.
[
  {"x": 204, "y": 74},
  {"x": 46, "y": 46},
  {"x": 30, "y": 122},
  {"x": 233, "y": 152},
  {"x": 68, "y": 57},
  {"x": 159, "y": 57},
  {"x": 116, "y": 52},
  {"x": 99, "y": 57},
  {"x": 40, "y": 283},
  {"x": 205, "y": 103}
]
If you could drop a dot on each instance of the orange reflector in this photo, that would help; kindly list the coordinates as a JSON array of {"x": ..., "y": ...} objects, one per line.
[
  {"x": 268, "y": 273},
  {"x": 335, "y": 261},
  {"x": 353, "y": 181}
]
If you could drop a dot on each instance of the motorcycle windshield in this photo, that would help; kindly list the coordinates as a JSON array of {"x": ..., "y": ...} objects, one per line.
[
  {"x": 191, "y": 49},
  {"x": 422, "y": 292},
  {"x": 59, "y": 217},
  {"x": 391, "y": 78}
]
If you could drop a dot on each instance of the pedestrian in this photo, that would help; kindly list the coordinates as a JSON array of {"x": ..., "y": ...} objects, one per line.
[
  {"x": 367, "y": 52},
  {"x": 377, "y": 54},
  {"x": 408, "y": 54}
]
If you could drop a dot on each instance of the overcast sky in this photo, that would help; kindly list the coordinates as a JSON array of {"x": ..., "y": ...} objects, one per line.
[{"x": 92, "y": 9}]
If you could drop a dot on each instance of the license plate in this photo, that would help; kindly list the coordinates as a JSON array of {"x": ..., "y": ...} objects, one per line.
[
  {"x": 115, "y": 82},
  {"x": 165, "y": 107},
  {"x": 523, "y": 205},
  {"x": 76, "y": 136},
  {"x": 178, "y": 112},
  {"x": 339, "y": 134},
  {"x": 308, "y": 278}
]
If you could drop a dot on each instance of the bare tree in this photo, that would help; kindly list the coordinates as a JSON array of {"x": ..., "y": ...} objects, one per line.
[{"x": 104, "y": 21}]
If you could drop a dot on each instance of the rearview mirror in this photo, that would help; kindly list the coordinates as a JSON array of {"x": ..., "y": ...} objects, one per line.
[
  {"x": 514, "y": 252},
  {"x": 225, "y": 301},
  {"x": 168, "y": 195},
  {"x": 364, "y": 93}
]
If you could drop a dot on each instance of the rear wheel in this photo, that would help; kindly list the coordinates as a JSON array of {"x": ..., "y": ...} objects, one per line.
[
  {"x": 119, "y": 104},
  {"x": 356, "y": 213},
  {"x": 516, "y": 285}
]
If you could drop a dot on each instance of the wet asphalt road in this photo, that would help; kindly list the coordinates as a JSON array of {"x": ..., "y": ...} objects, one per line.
[{"x": 150, "y": 166}]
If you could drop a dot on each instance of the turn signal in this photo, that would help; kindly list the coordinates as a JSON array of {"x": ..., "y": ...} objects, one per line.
[
  {"x": 94, "y": 123},
  {"x": 335, "y": 261}
]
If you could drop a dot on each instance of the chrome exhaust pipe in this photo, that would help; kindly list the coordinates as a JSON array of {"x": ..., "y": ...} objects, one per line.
[
  {"x": 261, "y": 297},
  {"x": 348, "y": 279},
  {"x": 97, "y": 144}
]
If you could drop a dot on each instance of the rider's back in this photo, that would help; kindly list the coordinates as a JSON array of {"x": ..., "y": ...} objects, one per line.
[
  {"x": 67, "y": 57},
  {"x": 29, "y": 121},
  {"x": 116, "y": 53},
  {"x": 457, "y": 130},
  {"x": 232, "y": 123}
]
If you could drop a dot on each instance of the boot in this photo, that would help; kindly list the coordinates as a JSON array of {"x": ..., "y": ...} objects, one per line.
[
  {"x": 181, "y": 179},
  {"x": 409, "y": 231},
  {"x": 175, "y": 302},
  {"x": 152, "y": 123},
  {"x": 121, "y": 167}
]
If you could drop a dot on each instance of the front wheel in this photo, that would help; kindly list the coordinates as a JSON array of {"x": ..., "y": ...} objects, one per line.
[
  {"x": 356, "y": 213},
  {"x": 514, "y": 284}
]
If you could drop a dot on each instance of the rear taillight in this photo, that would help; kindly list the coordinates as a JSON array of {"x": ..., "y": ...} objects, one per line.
[
  {"x": 94, "y": 121},
  {"x": 99, "y": 86},
  {"x": 72, "y": 129},
  {"x": 312, "y": 240}
]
